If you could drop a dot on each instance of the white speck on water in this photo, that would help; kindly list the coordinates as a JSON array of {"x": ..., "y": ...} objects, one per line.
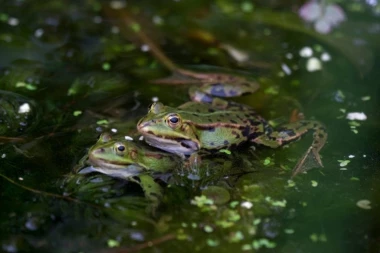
[
  {"x": 155, "y": 99},
  {"x": 38, "y": 33},
  {"x": 356, "y": 116},
  {"x": 3, "y": 155},
  {"x": 286, "y": 69},
  {"x": 364, "y": 204},
  {"x": 157, "y": 20},
  {"x": 145, "y": 48},
  {"x": 115, "y": 29},
  {"x": 289, "y": 56},
  {"x": 246, "y": 204},
  {"x": 306, "y": 52},
  {"x": 118, "y": 4},
  {"x": 137, "y": 236},
  {"x": 238, "y": 55},
  {"x": 372, "y": 2},
  {"x": 364, "y": 155},
  {"x": 313, "y": 64},
  {"x": 13, "y": 21},
  {"x": 114, "y": 130},
  {"x": 24, "y": 108},
  {"x": 351, "y": 156},
  {"x": 31, "y": 224},
  {"x": 325, "y": 57},
  {"x": 20, "y": 178},
  {"x": 97, "y": 19},
  {"x": 128, "y": 138}
]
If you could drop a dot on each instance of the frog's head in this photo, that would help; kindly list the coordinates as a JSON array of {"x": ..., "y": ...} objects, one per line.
[
  {"x": 113, "y": 153},
  {"x": 164, "y": 128}
]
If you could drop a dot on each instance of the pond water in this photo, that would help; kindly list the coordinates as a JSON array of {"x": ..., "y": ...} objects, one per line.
[{"x": 71, "y": 70}]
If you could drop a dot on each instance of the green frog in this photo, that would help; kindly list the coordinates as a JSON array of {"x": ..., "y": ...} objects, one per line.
[
  {"x": 211, "y": 124},
  {"x": 132, "y": 161}
]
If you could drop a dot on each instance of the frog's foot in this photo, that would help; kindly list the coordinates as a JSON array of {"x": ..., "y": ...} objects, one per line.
[
  {"x": 292, "y": 132},
  {"x": 309, "y": 157}
]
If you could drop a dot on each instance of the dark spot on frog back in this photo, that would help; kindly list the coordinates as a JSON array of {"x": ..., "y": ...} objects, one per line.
[
  {"x": 253, "y": 122},
  {"x": 288, "y": 132},
  {"x": 237, "y": 135},
  {"x": 211, "y": 129},
  {"x": 321, "y": 135},
  {"x": 245, "y": 130}
]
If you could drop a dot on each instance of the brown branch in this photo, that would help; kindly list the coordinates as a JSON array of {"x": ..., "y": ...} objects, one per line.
[
  {"x": 46, "y": 193},
  {"x": 11, "y": 139},
  {"x": 130, "y": 22}
]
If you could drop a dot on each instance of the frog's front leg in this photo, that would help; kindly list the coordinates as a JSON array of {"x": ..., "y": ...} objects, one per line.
[
  {"x": 292, "y": 132},
  {"x": 153, "y": 191}
]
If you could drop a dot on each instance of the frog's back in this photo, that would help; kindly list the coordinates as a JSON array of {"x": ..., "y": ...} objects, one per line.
[{"x": 225, "y": 128}]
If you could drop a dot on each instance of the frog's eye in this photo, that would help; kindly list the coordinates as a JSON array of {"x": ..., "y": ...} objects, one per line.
[
  {"x": 120, "y": 148},
  {"x": 173, "y": 120}
]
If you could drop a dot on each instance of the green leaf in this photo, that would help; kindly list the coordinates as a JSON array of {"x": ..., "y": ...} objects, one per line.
[
  {"x": 112, "y": 243},
  {"x": 226, "y": 151},
  {"x": 77, "y": 113}
]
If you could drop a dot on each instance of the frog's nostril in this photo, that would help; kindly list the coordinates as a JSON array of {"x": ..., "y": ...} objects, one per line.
[
  {"x": 141, "y": 125},
  {"x": 100, "y": 150}
]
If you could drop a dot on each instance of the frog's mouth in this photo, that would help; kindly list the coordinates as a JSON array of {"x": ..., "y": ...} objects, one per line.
[
  {"x": 99, "y": 162},
  {"x": 114, "y": 169},
  {"x": 122, "y": 172},
  {"x": 179, "y": 146}
]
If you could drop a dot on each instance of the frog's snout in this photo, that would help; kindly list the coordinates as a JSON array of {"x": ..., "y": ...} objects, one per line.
[{"x": 143, "y": 126}]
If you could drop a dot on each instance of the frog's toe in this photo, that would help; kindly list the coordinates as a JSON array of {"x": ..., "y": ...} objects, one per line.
[{"x": 317, "y": 157}]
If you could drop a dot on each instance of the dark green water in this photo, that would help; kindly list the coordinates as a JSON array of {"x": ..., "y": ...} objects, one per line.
[{"x": 76, "y": 65}]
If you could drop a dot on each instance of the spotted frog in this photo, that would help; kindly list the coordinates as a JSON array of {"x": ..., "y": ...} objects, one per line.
[
  {"x": 211, "y": 124},
  {"x": 132, "y": 161}
]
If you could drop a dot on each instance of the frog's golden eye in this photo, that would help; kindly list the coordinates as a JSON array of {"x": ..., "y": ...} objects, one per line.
[
  {"x": 120, "y": 148},
  {"x": 173, "y": 120}
]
